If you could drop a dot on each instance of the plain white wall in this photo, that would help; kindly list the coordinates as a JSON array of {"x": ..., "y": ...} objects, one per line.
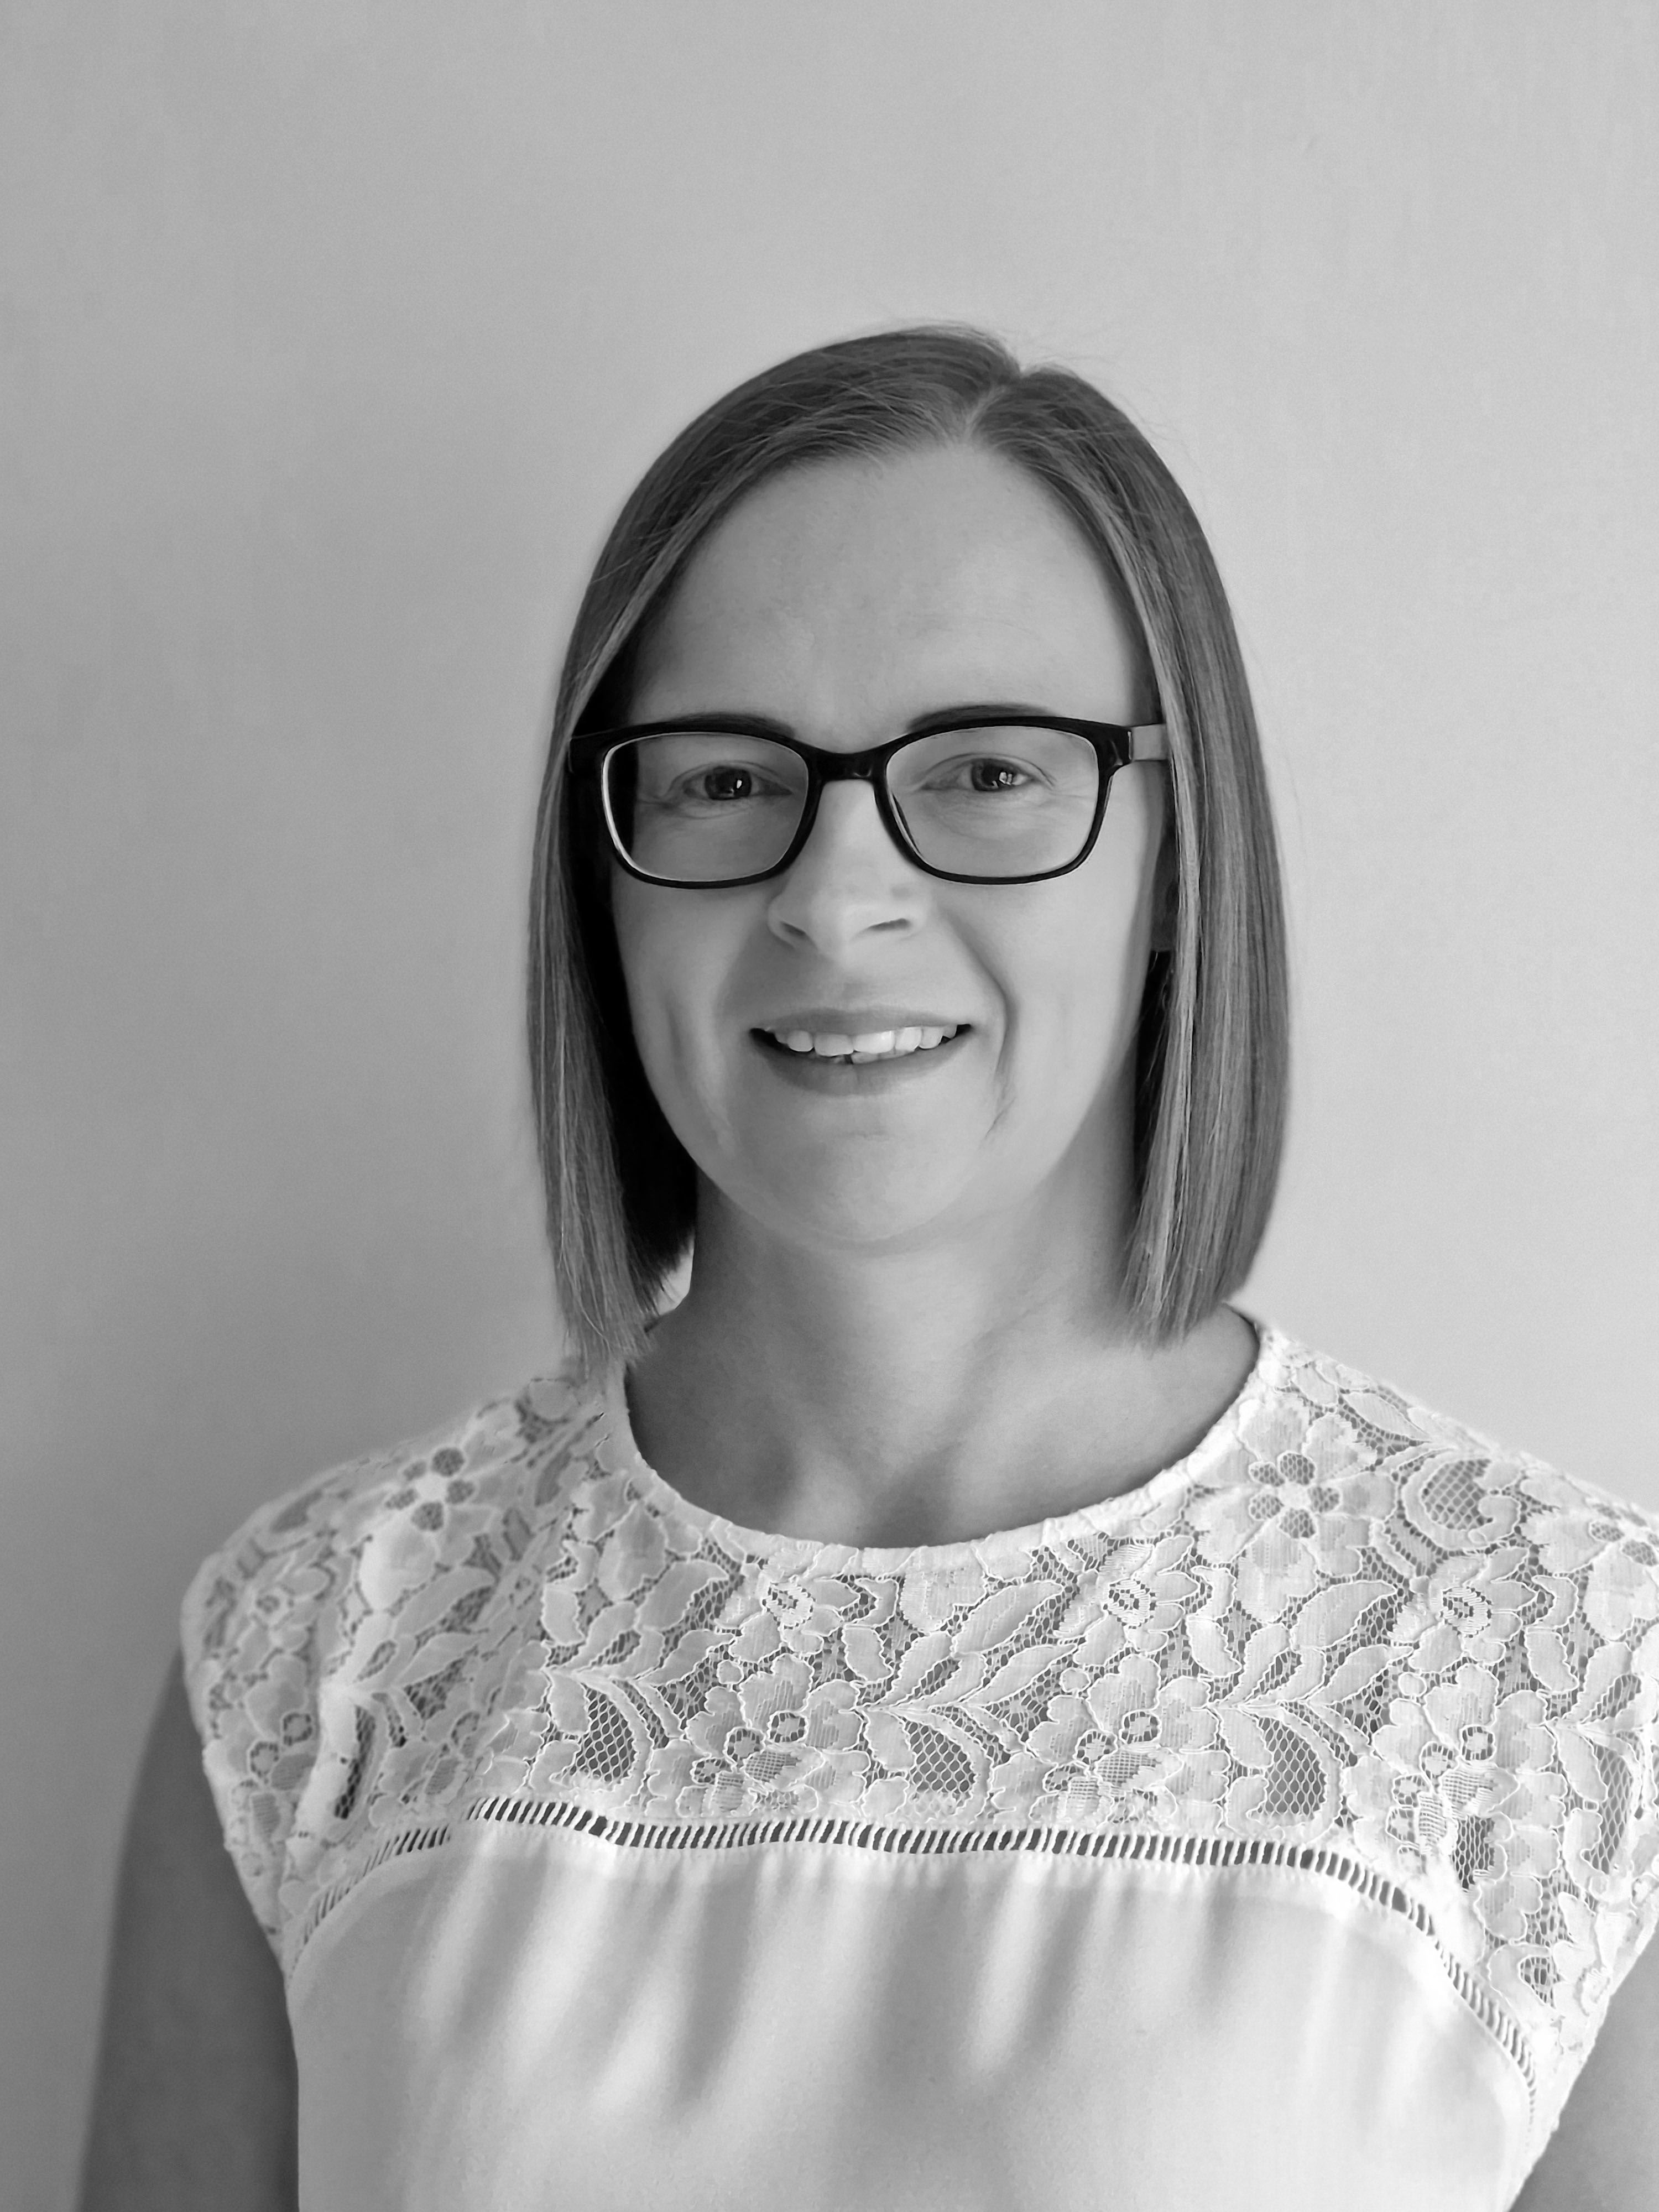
[{"x": 334, "y": 333}]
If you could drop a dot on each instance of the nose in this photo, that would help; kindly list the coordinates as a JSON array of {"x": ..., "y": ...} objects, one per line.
[{"x": 848, "y": 878}]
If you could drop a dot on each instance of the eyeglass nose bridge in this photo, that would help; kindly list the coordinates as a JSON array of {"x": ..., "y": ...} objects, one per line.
[
  {"x": 851, "y": 768},
  {"x": 869, "y": 766}
]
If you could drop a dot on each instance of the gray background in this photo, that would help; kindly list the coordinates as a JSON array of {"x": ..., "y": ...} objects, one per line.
[{"x": 333, "y": 334}]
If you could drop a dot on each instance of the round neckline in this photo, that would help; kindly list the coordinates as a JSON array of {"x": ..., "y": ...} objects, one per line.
[{"x": 621, "y": 1455}]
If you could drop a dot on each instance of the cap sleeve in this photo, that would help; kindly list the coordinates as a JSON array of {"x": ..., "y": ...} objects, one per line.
[
  {"x": 336, "y": 1655},
  {"x": 250, "y": 1633},
  {"x": 1579, "y": 1834}
]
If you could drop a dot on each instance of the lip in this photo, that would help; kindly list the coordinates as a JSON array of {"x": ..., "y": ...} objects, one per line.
[
  {"x": 859, "y": 1021},
  {"x": 840, "y": 1078}
]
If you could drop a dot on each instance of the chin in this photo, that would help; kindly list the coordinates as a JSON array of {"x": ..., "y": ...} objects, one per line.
[{"x": 855, "y": 1213}]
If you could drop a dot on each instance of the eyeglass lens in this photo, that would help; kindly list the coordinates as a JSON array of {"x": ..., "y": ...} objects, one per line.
[{"x": 705, "y": 806}]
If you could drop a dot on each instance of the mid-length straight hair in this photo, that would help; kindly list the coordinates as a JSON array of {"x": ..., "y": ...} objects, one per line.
[{"x": 1212, "y": 1048}]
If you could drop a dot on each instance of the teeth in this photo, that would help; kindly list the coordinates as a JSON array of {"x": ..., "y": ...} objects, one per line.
[{"x": 881, "y": 1044}]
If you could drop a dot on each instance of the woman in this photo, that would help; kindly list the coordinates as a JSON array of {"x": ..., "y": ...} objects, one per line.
[{"x": 953, "y": 1714}]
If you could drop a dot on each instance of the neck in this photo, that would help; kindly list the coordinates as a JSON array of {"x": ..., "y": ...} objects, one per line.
[{"x": 923, "y": 1394}]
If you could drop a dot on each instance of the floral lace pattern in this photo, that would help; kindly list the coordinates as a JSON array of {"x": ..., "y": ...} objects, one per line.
[{"x": 1342, "y": 1622}]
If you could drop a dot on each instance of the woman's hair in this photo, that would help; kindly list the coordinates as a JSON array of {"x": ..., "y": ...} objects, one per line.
[{"x": 1213, "y": 1042}]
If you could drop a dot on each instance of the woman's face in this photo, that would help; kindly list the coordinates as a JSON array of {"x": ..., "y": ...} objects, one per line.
[{"x": 845, "y": 601}]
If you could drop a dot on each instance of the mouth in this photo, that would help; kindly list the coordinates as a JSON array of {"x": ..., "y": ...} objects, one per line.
[{"x": 833, "y": 1049}]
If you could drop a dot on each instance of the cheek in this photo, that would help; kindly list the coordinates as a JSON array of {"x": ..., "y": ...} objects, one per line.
[
  {"x": 646, "y": 951},
  {"x": 1076, "y": 991},
  {"x": 674, "y": 957}
]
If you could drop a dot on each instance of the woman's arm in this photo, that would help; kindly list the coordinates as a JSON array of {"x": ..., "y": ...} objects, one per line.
[
  {"x": 1604, "y": 2155},
  {"x": 193, "y": 2108}
]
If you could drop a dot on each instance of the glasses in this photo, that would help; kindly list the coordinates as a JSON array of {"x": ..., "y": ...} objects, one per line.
[{"x": 1003, "y": 798}]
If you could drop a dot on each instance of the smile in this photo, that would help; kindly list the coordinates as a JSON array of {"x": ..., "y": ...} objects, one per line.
[
  {"x": 868, "y": 1065},
  {"x": 858, "y": 1051}
]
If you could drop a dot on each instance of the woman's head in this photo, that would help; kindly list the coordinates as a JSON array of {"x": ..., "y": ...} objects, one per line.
[{"x": 890, "y": 529}]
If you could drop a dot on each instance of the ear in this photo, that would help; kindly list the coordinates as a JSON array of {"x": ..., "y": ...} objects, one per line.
[{"x": 1166, "y": 895}]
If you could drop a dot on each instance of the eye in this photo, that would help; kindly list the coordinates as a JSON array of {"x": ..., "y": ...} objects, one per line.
[
  {"x": 981, "y": 775},
  {"x": 715, "y": 784},
  {"x": 1035, "y": 765},
  {"x": 997, "y": 775},
  {"x": 693, "y": 773}
]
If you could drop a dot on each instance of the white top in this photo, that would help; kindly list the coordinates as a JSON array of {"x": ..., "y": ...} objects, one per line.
[{"x": 1273, "y": 1835}]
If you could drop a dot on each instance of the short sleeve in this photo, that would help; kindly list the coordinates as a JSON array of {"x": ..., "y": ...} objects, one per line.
[
  {"x": 1575, "y": 1847},
  {"x": 250, "y": 1635},
  {"x": 343, "y": 1652}
]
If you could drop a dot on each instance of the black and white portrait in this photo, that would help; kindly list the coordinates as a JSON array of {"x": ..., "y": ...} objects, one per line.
[{"x": 828, "y": 1035}]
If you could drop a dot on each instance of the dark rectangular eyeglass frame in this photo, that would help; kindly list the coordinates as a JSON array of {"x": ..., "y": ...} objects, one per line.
[{"x": 1115, "y": 746}]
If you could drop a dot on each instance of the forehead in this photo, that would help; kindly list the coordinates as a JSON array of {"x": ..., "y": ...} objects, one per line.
[{"x": 855, "y": 591}]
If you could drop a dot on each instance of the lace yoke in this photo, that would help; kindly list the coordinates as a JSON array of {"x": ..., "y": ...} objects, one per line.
[{"x": 1345, "y": 1636}]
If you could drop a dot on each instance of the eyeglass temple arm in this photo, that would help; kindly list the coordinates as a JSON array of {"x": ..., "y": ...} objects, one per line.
[{"x": 1150, "y": 741}]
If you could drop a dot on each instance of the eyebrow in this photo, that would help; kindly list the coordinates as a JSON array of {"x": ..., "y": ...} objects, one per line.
[{"x": 970, "y": 710}]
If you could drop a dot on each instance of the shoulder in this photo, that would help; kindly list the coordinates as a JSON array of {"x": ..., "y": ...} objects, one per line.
[
  {"x": 1309, "y": 1424},
  {"x": 1478, "y": 1555},
  {"x": 1482, "y": 1631},
  {"x": 1459, "y": 1487},
  {"x": 403, "y": 1507},
  {"x": 344, "y": 1612}
]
